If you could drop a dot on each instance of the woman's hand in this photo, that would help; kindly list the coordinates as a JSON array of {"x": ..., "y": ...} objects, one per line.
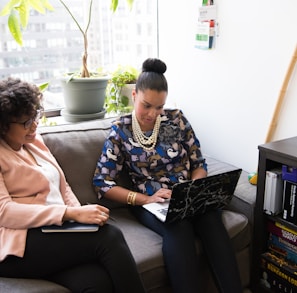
[
  {"x": 161, "y": 195},
  {"x": 198, "y": 173},
  {"x": 87, "y": 214},
  {"x": 120, "y": 194}
]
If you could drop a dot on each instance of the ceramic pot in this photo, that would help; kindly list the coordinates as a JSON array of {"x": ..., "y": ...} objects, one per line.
[
  {"x": 127, "y": 91},
  {"x": 84, "y": 95}
]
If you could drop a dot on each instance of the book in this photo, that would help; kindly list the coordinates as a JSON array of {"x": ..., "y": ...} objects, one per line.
[
  {"x": 282, "y": 231},
  {"x": 70, "y": 226},
  {"x": 273, "y": 196},
  {"x": 281, "y": 247},
  {"x": 278, "y": 274},
  {"x": 290, "y": 205}
]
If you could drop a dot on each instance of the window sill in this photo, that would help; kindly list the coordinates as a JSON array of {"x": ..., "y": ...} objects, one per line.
[{"x": 60, "y": 120}]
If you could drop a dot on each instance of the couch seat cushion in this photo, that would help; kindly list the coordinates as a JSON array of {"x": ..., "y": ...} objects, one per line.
[
  {"x": 13, "y": 285},
  {"x": 146, "y": 245}
]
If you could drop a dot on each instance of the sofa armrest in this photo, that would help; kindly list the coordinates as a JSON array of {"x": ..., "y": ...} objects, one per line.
[
  {"x": 245, "y": 197},
  {"x": 245, "y": 193}
]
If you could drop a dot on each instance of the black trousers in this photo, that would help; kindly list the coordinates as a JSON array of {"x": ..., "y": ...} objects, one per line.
[
  {"x": 180, "y": 254},
  {"x": 83, "y": 262}
]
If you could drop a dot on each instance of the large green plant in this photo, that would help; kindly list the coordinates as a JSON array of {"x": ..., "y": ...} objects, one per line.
[{"x": 18, "y": 12}]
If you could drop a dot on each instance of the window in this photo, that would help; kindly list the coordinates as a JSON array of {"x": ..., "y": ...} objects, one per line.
[{"x": 53, "y": 44}]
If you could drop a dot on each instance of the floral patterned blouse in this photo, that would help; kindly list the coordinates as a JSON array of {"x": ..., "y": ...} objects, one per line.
[{"x": 175, "y": 155}]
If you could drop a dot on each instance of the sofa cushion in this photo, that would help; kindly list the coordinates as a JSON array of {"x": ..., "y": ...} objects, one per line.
[
  {"x": 77, "y": 148},
  {"x": 13, "y": 285},
  {"x": 146, "y": 245},
  {"x": 245, "y": 193}
]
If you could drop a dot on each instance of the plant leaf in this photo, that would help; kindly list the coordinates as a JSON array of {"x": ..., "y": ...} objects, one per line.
[
  {"x": 130, "y": 3},
  {"x": 43, "y": 86},
  {"x": 37, "y": 5},
  {"x": 23, "y": 10},
  {"x": 14, "y": 27},
  {"x": 19, "y": 12},
  {"x": 47, "y": 5},
  {"x": 114, "y": 5},
  {"x": 9, "y": 7},
  {"x": 125, "y": 101},
  {"x": 70, "y": 76}
]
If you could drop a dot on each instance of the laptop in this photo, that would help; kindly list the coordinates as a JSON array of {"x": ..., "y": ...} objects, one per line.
[
  {"x": 194, "y": 197},
  {"x": 70, "y": 226}
]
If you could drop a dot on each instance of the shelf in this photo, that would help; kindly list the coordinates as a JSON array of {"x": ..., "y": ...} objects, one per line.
[
  {"x": 279, "y": 219},
  {"x": 271, "y": 155}
]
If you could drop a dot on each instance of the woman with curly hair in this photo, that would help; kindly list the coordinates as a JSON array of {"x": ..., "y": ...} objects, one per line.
[{"x": 34, "y": 193}]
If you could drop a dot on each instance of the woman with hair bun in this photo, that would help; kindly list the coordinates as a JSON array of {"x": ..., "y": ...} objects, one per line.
[{"x": 159, "y": 148}]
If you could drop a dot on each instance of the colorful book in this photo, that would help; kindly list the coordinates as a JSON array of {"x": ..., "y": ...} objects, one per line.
[
  {"x": 278, "y": 275},
  {"x": 282, "y": 248},
  {"x": 282, "y": 231}
]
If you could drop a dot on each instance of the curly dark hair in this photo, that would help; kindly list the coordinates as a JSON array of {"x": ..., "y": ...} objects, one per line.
[
  {"x": 17, "y": 98},
  {"x": 152, "y": 76}
]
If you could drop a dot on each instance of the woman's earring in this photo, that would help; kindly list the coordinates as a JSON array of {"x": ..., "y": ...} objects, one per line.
[{"x": 133, "y": 96}]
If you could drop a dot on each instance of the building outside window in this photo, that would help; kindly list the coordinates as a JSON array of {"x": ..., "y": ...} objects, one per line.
[{"x": 53, "y": 44}]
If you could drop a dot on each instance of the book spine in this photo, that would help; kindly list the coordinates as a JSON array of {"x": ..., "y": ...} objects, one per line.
[
  {"x": 273, "y": 196},
  {"x": 267, "y": 194},
  {"x": 290, "y": 209},
  {"x": 282, "y": 231},
  {"x": 282, "y": 248},
  {"x": 278, "y": 275}
]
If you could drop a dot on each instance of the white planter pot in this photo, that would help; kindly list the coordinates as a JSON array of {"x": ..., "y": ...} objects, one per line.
[{"x": 127, "y": 91}]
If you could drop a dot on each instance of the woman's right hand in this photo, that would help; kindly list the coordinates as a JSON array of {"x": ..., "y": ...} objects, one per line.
[
  {"x": 161, "y": 195},
  {"x": 87, "y": 214}
]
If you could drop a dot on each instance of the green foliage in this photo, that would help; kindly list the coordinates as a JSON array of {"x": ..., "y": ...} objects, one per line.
[
  {"x": 115, "y": 102},
  {"x": 99, "y": 72},
  {"x": 114, "y": 4},
  {"x": 18, "y": 12},
  {"x": 46, "y": 122},
  {"x": 43, "y": 86},
  {"x": 124, "y": 75}
]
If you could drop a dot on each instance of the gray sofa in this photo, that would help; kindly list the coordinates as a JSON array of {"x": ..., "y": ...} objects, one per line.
[{"x": 77, "y": 148}]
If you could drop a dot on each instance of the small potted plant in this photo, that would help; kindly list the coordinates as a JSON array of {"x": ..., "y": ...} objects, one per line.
[
  {"x": 18, "y": 12},
  {"x": 119, "y": 90}
]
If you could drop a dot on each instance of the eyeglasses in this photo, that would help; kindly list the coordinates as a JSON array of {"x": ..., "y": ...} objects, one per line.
[{"x": 28, "y": 123}]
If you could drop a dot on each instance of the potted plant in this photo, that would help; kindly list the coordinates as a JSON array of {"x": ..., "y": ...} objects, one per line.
[
  {"x": 18, "y": 12},
  {"x": 119, "y": 90}
]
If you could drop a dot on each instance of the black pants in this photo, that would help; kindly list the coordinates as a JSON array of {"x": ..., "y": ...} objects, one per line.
[
  {"x": 180, "y": 254},
  {"x": 83, "y": 262}
]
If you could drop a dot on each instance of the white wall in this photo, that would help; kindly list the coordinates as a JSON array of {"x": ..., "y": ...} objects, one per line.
[{"x": 230, "y": 93}]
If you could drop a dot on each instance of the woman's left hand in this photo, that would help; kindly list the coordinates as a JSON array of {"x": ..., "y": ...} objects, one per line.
[{"x": 88, "y": 214}]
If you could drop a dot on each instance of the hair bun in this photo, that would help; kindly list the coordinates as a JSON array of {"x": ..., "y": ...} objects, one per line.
[{"x": 154, "y": 65}]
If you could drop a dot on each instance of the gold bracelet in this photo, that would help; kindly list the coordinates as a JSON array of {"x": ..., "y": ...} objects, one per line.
[
  {"x": 131, "y": 198},
  {"x": 134, "y": 199}
]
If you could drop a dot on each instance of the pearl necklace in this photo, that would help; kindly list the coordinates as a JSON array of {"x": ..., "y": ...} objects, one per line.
[{"x": 147, "y": 143}]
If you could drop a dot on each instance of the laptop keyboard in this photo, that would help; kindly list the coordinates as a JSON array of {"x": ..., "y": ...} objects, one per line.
[{"x": 163, "y": 211}]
